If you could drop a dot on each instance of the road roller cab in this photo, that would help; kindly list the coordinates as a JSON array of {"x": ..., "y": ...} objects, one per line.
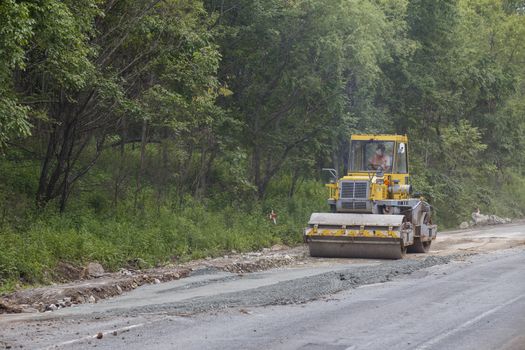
[{"x": 377, "y": 185}]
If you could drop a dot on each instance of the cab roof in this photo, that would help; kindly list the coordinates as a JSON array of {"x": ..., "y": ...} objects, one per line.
[{"x": 380, "y": 137}]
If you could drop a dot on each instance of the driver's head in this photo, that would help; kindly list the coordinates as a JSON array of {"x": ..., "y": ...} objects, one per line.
[{"x": 380, "y": 149}]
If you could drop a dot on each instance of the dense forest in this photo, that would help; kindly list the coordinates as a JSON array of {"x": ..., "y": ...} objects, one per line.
[{"x": 164, "y": 130}]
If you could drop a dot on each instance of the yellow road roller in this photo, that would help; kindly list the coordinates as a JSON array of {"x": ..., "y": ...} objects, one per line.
[{"x": 372, "y": 211}]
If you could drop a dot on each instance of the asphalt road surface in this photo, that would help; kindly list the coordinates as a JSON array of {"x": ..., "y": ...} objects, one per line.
[{"x": 468, "y": 293}]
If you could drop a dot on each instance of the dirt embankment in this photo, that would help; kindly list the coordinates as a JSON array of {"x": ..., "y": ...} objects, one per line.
[{"x": 92, "y": 284}]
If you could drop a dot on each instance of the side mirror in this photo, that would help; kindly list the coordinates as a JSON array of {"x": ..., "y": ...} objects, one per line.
[{"x": 401, "y": 148}]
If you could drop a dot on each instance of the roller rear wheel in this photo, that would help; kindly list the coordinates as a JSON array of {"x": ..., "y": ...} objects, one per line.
[{"x": 419, "y": 246}]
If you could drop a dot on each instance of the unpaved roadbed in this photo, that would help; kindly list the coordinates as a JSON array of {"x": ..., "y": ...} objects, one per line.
[{"x": 295, "y": 291}]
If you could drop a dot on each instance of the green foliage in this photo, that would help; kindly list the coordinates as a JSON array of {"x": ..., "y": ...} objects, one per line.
[
  {"x": 154, "y": 236},
  {"x": 304, "y": 74},
  {"x": 13, "y": 120},
  {"x": 15, "y": 32},
  {"x": 457, "y": 97},
  {"x": 462, "y": 150},
  {"x": 61, "y": 42},
  {"x": 459, "y": 173}
]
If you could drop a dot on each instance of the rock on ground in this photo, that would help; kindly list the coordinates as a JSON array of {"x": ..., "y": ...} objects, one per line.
[
  {"x": 481, "y": 219},
  {"x": 94, "y": 269}
]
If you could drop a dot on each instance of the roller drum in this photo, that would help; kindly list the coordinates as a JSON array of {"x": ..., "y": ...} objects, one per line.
[{"x": 355, "y": 236}]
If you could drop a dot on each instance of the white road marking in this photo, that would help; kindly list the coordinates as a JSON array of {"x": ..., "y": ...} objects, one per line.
[
  {"x": 104, "y": 333},
  {"x": 465, "y": 325},
  {"x": 370, "y": 285}
]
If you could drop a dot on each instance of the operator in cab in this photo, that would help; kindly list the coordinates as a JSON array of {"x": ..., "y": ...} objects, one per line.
[{"x": 380, "y": 159}]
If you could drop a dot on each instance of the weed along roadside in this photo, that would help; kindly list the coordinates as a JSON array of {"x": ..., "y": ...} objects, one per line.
[{"x": 41, "y": 251}]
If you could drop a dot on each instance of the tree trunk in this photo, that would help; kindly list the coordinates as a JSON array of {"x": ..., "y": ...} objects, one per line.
[
  {"x": 142, "y": 160},
  {"x": 206, "y": 165},
  {"x": 121, "y": 170},
  {"x": 41, "y": 200},
  {"x": 296, "y": 176},
  {"x": 256, "y": 169},
  {"x": 60, "y": 145}
]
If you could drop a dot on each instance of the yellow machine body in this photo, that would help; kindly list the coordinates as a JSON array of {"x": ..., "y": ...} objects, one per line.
[{"x": 373, "y": 214}]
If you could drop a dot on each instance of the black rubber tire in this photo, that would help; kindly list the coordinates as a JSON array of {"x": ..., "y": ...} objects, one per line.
[
  {"x": 404, "y": 251},
  {"x": 419, "y": 246},
  {"x": 333, "y": 208}
]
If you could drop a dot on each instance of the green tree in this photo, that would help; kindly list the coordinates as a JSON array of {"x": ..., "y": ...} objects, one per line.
[
  {"x": 93, "y": 69},
  {"x": 302, "y": 73},
  {"x": 15, "y": 33}
]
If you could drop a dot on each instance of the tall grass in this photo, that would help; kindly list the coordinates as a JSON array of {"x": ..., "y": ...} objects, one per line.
[{"x": 156, "y": 235}]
